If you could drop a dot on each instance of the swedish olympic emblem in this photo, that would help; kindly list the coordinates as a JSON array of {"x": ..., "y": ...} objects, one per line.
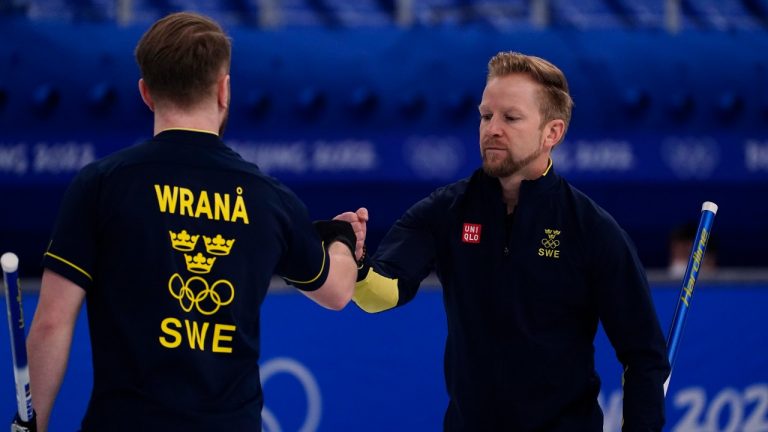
[
  {"x": 196, "y": 293},
  {"x": 550, "y": 243}
]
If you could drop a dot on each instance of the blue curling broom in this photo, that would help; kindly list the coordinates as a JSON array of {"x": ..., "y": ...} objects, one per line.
[
  {"x": 25, "y": 415},
  {"x": 708, "y": 211}
]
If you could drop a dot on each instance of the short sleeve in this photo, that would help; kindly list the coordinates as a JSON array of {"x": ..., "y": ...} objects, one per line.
[
  {"x": 72, "y": 248},
  {"x": 305, "y": 262}
]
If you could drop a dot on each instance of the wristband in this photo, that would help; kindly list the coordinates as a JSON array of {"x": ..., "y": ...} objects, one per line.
[{"x": 336, "y": 230}]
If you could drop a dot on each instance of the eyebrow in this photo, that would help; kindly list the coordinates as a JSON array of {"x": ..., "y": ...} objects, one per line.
[{"x": 505, "y": 110}]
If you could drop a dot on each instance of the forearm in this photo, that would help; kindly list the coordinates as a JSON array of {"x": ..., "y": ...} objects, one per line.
[
  {"x": 339, "y": 286},
  {"x": 48, "y": 349},
  {"x": 644, "y": 394},
  {"x": 49, "y": 341},
  {"x": 343, "y": 273},
  {"x": 628, "y": 316}
]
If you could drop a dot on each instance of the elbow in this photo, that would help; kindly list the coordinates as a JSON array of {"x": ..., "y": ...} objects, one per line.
[
  {"x": 42, "y": 330},
  {"x": 333, "y": 294},
  {"x": 340, "y": 301},
  {"x": 336, "y": 306}
]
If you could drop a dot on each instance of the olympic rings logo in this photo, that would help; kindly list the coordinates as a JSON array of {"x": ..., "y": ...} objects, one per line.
[
  {"x": 308, "y": 382},
  {"x": 207, "y": 299},
  {"x": 550, "y": 244}
]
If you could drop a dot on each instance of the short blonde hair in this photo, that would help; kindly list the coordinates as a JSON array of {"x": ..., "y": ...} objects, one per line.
[{"x": 556, "y": 102}]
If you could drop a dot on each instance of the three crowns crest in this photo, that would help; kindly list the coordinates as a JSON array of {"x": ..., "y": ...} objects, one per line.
[
  {"x": 185, "y": 242},
  {"x": 551, "y": 233}
]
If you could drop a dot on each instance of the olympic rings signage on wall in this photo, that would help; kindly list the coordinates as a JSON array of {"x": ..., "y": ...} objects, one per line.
[{"x": 293, "y": 368}]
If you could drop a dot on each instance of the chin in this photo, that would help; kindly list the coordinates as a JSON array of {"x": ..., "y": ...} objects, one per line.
[{"x": 495, "y": 170}]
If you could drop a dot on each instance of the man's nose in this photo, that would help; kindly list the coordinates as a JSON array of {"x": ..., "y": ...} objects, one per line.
[{"x": 493, "y": 126}]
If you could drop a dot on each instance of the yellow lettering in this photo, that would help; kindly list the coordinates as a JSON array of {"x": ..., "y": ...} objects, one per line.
[
  {"x": 195, "y": 335},
  {"x": 218, "y": 337},
  {"x": 221, "y": 206},
  {"x": 688, "y": 289},
  {"x": 165, "y": 327},
  {"x": 173, "y": 199},
  {"x": 704, "y": 238},
  {"x": 166, "y": 199},
  {"x": 186, "y": 201},
  {"x": 239, "y": 211},
  {"x": 203, "y": 205},
  {"x": 551, "y": 253}
]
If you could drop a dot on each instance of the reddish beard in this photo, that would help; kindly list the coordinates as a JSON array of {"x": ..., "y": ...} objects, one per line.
[{"x": 507, "y": 166}]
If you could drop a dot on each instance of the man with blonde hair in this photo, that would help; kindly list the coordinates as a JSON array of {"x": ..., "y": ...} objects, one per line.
[{"x": 529, "y": 265}]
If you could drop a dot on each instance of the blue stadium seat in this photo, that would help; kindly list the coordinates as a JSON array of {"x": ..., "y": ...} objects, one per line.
[
  {"x": 361, "y": 13},
  {"x": 584, "y": 15},
  {"x": 714, "y": 15},
  {"x": 721, "y": 15},
  {"x": 504, "y": 15}
]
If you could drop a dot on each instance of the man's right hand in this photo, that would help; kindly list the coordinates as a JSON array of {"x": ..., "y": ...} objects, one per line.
[{"x": 359, "y": 221}]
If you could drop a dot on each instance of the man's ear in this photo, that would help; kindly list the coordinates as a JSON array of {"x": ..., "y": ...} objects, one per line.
[
  {"x": 553, "y": 133},
  {"x": 223, "y": 91},
  {"x": 145, "y": 96}
]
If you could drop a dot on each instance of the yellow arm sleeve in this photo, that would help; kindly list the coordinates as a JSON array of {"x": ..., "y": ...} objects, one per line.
[{"x": 376, "y": 293}]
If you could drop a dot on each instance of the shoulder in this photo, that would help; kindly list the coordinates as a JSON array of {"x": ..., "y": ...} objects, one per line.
[
  {"x": 97, "y": 170},
  {"x": 94, "y": 171},
  {"x": 278, "y": 189},
  {"x": 452, "y": 193},
  {"x": 595, "y": 222},
  {"x": 585, "y": 207},
  {"x": 443, "y": 199},
  {"x": 116, "y": 160}
]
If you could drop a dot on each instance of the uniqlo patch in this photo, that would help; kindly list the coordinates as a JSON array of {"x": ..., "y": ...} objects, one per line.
[{"x": 471, "y": 233}]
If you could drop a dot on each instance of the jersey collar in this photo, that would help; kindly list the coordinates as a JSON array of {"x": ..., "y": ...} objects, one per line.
[{"x": 188, "y": 136}]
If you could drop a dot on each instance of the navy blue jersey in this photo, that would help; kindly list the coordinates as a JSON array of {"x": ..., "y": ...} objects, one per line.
[
  {"x": 175, "y": 242},
  {"x": 523, "y": 295}
]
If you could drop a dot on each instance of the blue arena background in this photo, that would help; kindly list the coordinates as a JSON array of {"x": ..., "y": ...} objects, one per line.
[
  {"x": 351, "y": 371},
  {"x": 380, "y": 116},
  {"x": 352, "y": 104}
]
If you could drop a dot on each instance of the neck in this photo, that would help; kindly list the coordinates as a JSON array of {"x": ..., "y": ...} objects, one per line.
[
  {"x": 208, "y": 120},
  {"x": 510, "y": 185}
]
